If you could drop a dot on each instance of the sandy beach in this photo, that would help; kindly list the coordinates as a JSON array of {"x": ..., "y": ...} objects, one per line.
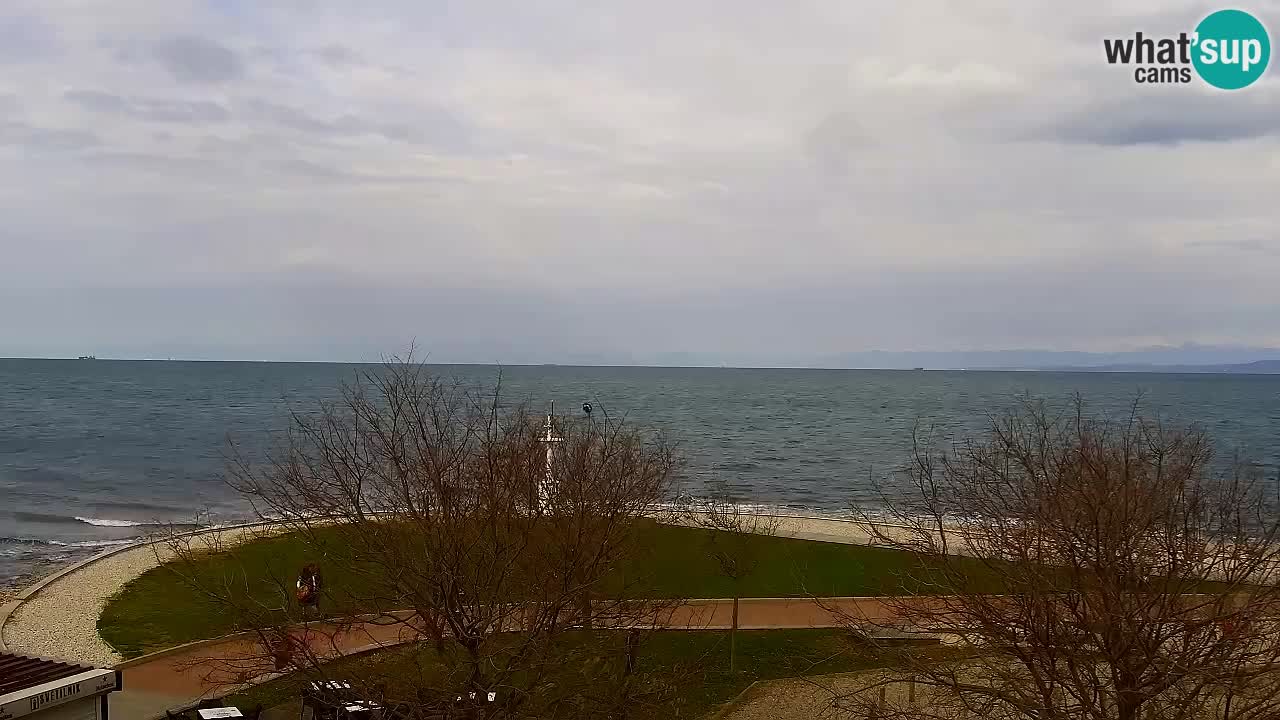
[{"x": 806, "y": 527}]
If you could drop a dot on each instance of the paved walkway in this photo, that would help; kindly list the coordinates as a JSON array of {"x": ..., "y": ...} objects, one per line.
[
  {"x": 58, "y": 618},
  {"x": 180, "y": 677}
]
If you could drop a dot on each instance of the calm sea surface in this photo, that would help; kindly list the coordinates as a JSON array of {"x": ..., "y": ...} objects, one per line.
[{"x": 93, "y": 452}]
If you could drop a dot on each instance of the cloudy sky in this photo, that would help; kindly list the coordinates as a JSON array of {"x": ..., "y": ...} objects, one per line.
[{"x": 544, "y": 180}]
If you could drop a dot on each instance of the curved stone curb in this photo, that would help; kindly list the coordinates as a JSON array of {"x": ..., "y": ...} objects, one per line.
[
  {"x": 176, "y": 649},
  {"x": 735, "y": 702},
  {"x": 195, "y": 644}
]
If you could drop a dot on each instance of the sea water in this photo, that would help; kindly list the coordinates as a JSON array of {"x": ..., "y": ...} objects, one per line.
[{"x": 97, "y": 452}]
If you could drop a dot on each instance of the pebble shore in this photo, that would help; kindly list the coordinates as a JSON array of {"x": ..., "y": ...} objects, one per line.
[{"x": 61, "y": 621}]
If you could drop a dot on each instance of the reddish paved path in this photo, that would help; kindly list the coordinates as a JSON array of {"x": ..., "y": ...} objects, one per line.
[{"x": 182, "y": 676}]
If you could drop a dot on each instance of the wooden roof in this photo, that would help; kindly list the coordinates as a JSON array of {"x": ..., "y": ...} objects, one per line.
[{"x": 19, "y": 672}]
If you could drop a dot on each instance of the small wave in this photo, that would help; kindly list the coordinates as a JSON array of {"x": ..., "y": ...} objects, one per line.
[
  {"x": 30, "y": 542},
  {"x": 100, "y": 522},
  {"x": 141, "y": 507},
  {"x": 47, "y": 518},
  {"x": 688, "y": 502},
  {"x": 95, "y": 543},
  {"x": 740, "y": 466},
  {"x": 41, "y": 517}
]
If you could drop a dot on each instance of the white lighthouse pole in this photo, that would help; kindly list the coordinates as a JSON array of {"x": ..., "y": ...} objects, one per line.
[{"x": 547, "y": 487}]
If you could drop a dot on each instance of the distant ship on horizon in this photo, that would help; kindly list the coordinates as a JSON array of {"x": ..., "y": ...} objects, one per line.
[{"x": 87, "y": 357}]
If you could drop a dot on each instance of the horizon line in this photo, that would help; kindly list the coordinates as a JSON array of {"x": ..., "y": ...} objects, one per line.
[{"x": 1114, "y": 367}]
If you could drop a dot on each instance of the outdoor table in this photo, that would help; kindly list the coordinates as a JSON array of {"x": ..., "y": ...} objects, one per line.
[
  {"x": 332, "y": 700},
  {"x": 362, "y": 710}
]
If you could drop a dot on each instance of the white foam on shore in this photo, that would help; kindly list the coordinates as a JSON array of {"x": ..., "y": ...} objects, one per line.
[
  {"x": 99, "y": 522},
  {"x": 26, "y": 544},
  {"x": 94, "y": 543}
]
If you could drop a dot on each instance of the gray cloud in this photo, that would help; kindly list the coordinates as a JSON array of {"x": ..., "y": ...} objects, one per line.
[
  {"x": 1240, "y": 245},
  {"x": 26, "y": 38},
  {"x": 296, "y": 119},
  {"x": 328, "y": 173},
  {"x": 644, "y": 180},
  {"x": 433, "y": 124},
  {"x": 336, "y": 55},
  {"x": 197, "y": 60},
  {"x": 1146, "y": 117},
  {"x": 760, "y": 324},
  {"x": 154, "y": 110},
  {"x": 18, "y": 134}
]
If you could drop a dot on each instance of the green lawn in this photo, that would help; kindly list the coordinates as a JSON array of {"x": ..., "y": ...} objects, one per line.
[
  {"x": 679, "y": 674},
  {"x": 159, "y": 610}
]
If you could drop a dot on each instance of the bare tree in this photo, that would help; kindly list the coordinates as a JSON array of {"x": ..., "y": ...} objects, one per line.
[
  {"x": 733, "y": 529},
  {"x": 1097, "y": 568},
  {"x": 424, "y": 504}
]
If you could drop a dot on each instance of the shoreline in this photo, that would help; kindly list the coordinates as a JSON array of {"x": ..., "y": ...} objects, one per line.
[
  {"x": 25, "y": 559},
  {"x": 58, "y": 615},
  {"x": 37, "y": 570},
  {"x": 40, "y": 567}
]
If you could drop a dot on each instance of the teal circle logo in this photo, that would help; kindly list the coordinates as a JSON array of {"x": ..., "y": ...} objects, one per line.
[{"x": 1231, "y": 49}]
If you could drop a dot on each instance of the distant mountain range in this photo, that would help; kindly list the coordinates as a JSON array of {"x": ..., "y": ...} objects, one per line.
[
  {"x": 1183, "y": 358},
  {"x": 1180, "y": 359},
  {"x": 1259, "y": 367}
]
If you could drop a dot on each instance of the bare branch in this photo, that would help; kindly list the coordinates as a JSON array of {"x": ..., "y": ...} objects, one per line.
[{"x": 1100, "y": 568}]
